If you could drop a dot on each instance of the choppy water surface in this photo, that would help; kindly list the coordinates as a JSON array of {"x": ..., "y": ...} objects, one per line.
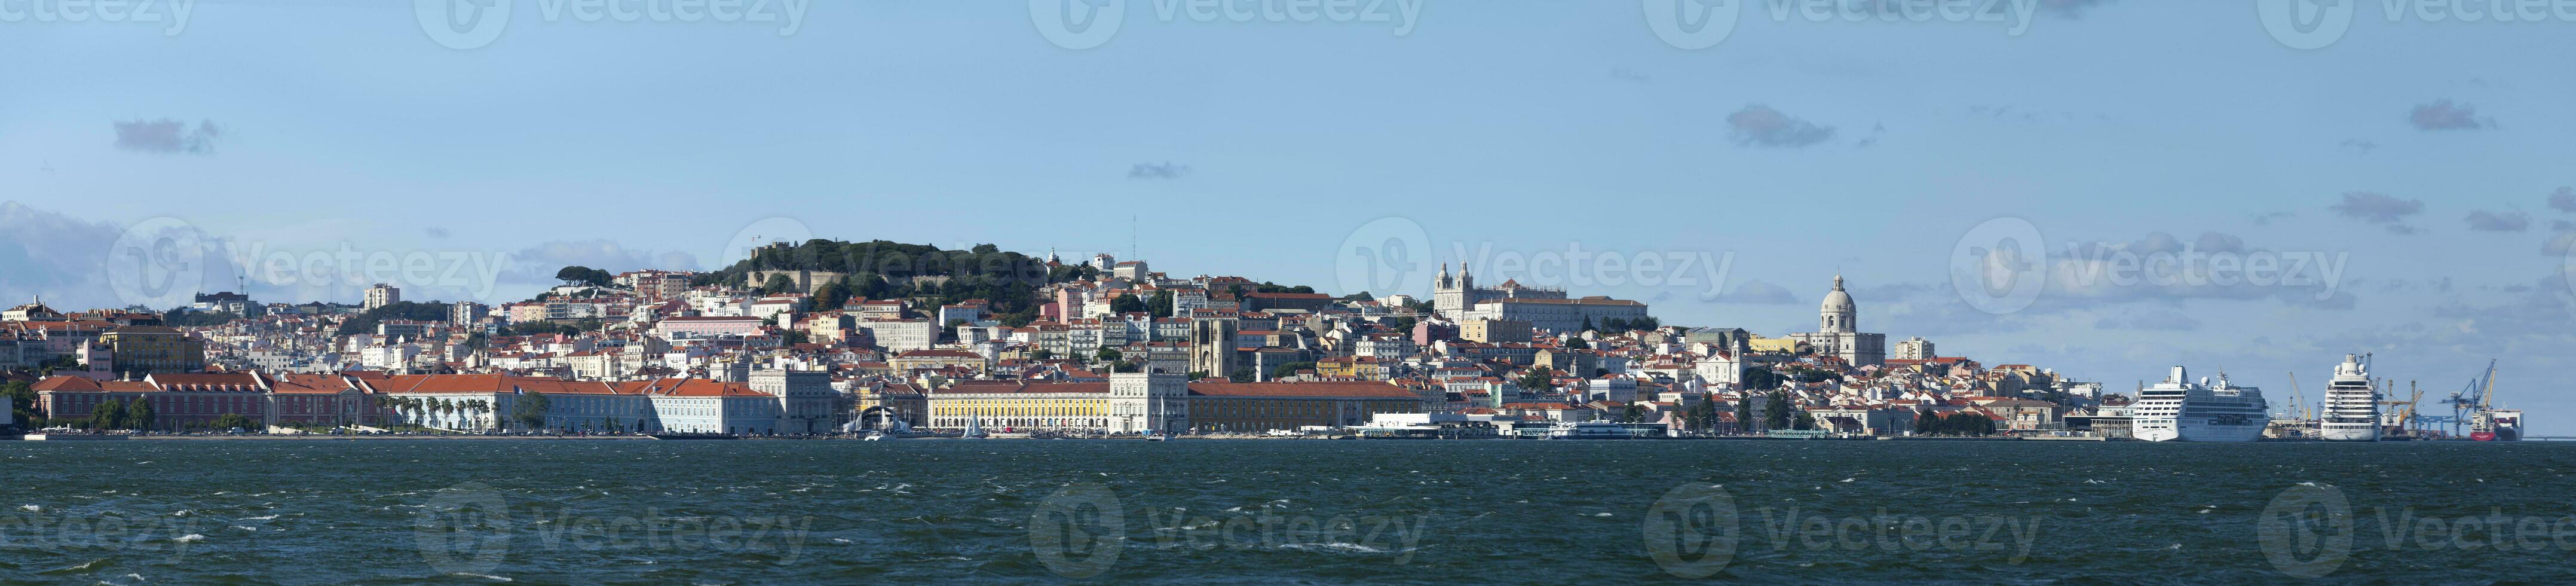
[{"x": 1300, "y": 511}]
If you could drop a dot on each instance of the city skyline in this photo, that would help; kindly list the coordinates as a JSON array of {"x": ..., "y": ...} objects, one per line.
[{"x": 1795, "y": 149}]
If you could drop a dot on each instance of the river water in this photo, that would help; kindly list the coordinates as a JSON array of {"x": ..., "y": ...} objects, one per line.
[{"x": 1198, "y": 511}]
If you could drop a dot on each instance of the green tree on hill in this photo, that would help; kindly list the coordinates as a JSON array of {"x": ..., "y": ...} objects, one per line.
[
  {"x": 365, "y": 322},
  {"x": 1161, "y": 305},
  {"x": 577, "y": 275},
  {"x": 1128, "y": 303},
  {"x": 1290, "y": 369},
  {"x": 1538, "y": 379}
]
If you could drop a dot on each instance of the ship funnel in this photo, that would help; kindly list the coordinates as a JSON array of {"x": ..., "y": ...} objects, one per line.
[{"x": 2179, "y": 376}]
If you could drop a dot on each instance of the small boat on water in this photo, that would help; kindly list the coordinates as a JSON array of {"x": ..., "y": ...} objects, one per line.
[
  {"x": 1588, "y": 430},
  {"x": 974, "y": 429},
  {"x": 887, "y": 428}
]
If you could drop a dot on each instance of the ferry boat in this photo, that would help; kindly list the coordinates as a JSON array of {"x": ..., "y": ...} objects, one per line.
[
  {"x": 2352, "y": 405},
  {"x": 2209, "y": 411},
  {"x": 1588, "y": 430}
]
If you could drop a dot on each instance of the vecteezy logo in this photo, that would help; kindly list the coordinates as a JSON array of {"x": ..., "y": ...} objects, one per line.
[
  {"x": 2567, "y": 262},
  {"x": 1078, "y": 531},
  {"x": 767, "y": 231},
  {"x": 2306, "y": 24},
  {"x": 1078, "y": 24},
  {"x": 157, "y": 263},
  {"x": 1692, "y": 24},
  {"x": 464, "y": 530},
  {"x": 462, "y": 24},
  {"x": 1691, "y": 532},
  {"x": 2307, "y": 531},
  {"x": 1384, "y": 256},
  {"x": 2000, "y": 266}
]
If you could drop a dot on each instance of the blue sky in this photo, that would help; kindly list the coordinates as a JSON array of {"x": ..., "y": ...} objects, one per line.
[{"x": 1797, "y": 147}]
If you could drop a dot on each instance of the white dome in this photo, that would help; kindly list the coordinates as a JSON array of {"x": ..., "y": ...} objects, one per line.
[{"x": 1839, "y": 301}]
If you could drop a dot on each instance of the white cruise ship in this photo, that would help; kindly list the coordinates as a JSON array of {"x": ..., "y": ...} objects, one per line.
[
  {"x": 2178, "y": 410},
  {"x": 2352, "y": 405}
]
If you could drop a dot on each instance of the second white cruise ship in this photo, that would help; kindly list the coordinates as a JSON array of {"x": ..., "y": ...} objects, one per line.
[
  {"x": 2179, "y": 410},
  {"x": 2352, "y": 405}
]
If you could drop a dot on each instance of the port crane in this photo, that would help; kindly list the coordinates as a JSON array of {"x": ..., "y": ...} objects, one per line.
[
  {"x": 2298, "y": 401},
  {"x": 2406, "y": 423},
  {"x": 2467, "y": 401}
]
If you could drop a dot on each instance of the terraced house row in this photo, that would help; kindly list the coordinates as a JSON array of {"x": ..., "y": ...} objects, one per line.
[
  {"x": 1159, "y": 402},
  {"x": 772, "y": 402}
]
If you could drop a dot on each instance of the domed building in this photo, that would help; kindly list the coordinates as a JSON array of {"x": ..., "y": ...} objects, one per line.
[{"x": 1838, "y": 331}]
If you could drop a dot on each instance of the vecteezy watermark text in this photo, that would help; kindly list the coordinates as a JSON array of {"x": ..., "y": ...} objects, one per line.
[
  {"x": 469, "y": 24},
  {"x": 2197, "y": 268},
  {"x": 38, "y": 528},
  {"x": 1080, "y": 530},
  {"x": 2310, "y": 530},
  {"x": 1394, "y": 255},
  {"x": 1700, "y": 24},
  {"x": 2315, "y": 24},
  {"x": 473, "y": 272},
  {"x": 1575, "y": 266},
  {"x": 1696, "y": 530},
  {"x": 1794, "y": 528},
  {"x": 2003, "y": 265},
  {"x": 171, "y": 14},
  {"x": 1084, "y": 24},
  {"x": 472, "y": 528}
]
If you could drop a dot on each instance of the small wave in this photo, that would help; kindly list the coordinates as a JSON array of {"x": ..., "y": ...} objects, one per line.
[
  {"x": 257, "y": 518},
  {"x": 1338, "y": 546},
  {"x": 31, "y": 508},
  {"x": 484, "y": 576},
  {"x": 191, "y": 538},
  {"x": 83, "y": 567},
  {"x": 183, "y": 513},
  {"x": 1603, "y": 515}
]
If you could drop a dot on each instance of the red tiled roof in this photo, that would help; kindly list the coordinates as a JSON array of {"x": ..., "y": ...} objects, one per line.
[{"x": 1361, "y": 389}]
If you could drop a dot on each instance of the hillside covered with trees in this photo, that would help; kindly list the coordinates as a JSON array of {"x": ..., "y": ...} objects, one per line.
[{"x": 928, "y": 275}]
